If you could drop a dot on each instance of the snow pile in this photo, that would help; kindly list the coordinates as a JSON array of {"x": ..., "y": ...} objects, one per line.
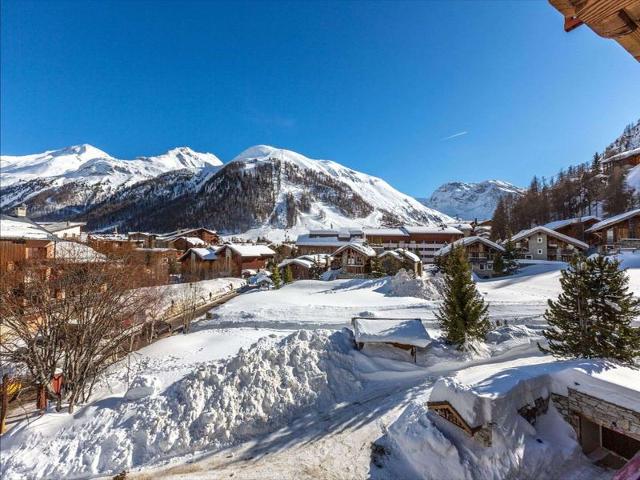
[
  {"x": 431, "y": 447},
  {"x": 261, "y": 389},
  {"x": 142, "y": 386},
  {"x": 427, "y": 287}
]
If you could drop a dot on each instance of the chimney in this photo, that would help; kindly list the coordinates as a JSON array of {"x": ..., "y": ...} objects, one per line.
[{"x": 20, "y": 211}]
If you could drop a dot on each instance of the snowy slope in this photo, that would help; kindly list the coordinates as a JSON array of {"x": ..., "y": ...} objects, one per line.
[
  {"x": 70, "y": 180},
  {"x": 470, "y": 200},
  {"x": 274, "y": 193}
]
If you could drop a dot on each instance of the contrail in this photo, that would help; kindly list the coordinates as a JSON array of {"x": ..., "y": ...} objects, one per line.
[{"x": 459, "y": 134}]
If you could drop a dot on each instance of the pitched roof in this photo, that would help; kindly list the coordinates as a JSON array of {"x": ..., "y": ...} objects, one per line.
[
  {"x": 401, "y": 254},
  {"x": 527, "y": 233},
  {"x": 58, "y": 226},
  {"x": 333, "y": 241},
  {"x": 469, "y": 241},
  {"x": 249, "y": 250},
  {"x": 615, "y": 219},
  {"x": 21, "y": 228},
  {"x": 205, "y": 254},
  {"x": 359, "y": 247},
  {"x": 570, "y": 221},
  {"x": 378, "y": 330},
  {"x": 433, "y": 229},
  {"x": 396, "y": 232},
  {"x": 75, "y": 252}
]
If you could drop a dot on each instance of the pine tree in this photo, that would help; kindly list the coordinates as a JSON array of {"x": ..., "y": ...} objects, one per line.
[
  {"x": 510, "y": 256},
  {"x": 617, "y": 195},
  {"x": 376, "y": 268},
  {"x": 500, "y": 220},
  {"x": 463, "y": 314},
  {"x": 592, "y": 316},
  {"x": 275, "y": 277},
  {"x": 288, "y": 275},
  {"x": 498, "y": 263}
]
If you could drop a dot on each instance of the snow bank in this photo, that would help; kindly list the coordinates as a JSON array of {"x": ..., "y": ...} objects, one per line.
[
  {"x": 261, "y": 389},
  {"x": 427, "y": 287},
  {"x": 142, "y": 386}
]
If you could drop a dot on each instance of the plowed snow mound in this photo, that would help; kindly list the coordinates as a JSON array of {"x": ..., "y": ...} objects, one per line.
[{"x": 261, "y": 389}]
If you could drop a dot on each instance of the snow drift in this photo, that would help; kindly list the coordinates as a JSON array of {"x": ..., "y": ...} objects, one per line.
[{"x": 261, "y": 389}]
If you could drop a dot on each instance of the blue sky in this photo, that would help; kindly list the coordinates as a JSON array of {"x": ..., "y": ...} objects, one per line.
[{"x": 418, "y": 93}]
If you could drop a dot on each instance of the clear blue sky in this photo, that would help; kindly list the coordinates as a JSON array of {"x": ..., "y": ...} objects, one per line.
[{"x": 375, "y": 86}]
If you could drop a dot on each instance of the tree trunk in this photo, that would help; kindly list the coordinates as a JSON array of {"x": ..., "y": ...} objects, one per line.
[{"x": 4, "y": 403}]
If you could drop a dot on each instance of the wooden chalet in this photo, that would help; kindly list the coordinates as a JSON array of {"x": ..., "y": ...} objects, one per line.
[
  {"x": 21, "y": 240},
  {"x": 481, "y": 253},
  {"x": 159, "y": 263},
  {"x": 574, "y": 227},
  {"x": 199, "y": 264},
  {"x": 225, "y": 261},
  {"x": 353, "y": 259},
  {"x": 114, "y": 243},
  {"x": 392, "y": 261},
  {"x": 185, "y": 238},
  {"x": 617, "y": 232},
  {"x": 618, "y": 20},
  {"x": 305, "y": 266},
  {"x": 542, "y": 243},
  {"x": 64, "y": 230},
  {"x": 405, "y": 334}
]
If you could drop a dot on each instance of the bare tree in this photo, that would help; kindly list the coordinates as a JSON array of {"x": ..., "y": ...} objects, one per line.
[
  {"x": 189, "y": 298},
  {"x": 74, "y": 313}
]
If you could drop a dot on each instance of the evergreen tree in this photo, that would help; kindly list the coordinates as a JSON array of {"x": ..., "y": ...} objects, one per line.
[
  {"x": 500, "y": 220},
  {"x": 498, "y": 263},
  {"x": 463, "y": 314},
  {"x": 592, "y": 316},
  {"x": 509, "y": 257},
  {"x": 617, "y": 195},
  {"x": 275, "y": 277},
  {"x": 376, "y": 268},
  {"x": 288, "y": 275}
]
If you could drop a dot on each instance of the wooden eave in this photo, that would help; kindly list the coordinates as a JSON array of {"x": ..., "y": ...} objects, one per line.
[{"x": 615, "y": 19}]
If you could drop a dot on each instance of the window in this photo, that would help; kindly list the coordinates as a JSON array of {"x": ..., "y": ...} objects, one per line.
[
  {"x": 539, "y": 251},
  {"x": 481, "y": 266},
  {"x": 528, "y": 257},
  {"x": 539, "y": 239}
]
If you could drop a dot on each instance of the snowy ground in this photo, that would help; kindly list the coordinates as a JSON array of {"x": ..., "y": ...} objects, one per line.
[{"x": 299, "y": 403}]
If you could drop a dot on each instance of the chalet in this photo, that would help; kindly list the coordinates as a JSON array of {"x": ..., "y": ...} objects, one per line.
[
  {"x": 114, "y": 243},
  {"x": 168, "y": 240},
  {"x": 21, "y": 239},
  {"x": 64, "y": 230},
  {"x": 481, "y": 253},
  {"x": 615, "y": 19},
  {"x": 159, "y": 263},
  {"x": 624, "y": 160},
  {"x": 422, "y": 241},
  {"x": 542, "y": 243},
  {"x": 602, "y": 406},
  {"x": 353, "y": 259},
  {"x": 619, "y": 231},
  {"x": 305, "y": 266},
  {"x": 327, "y": 241},
  {"x": 233, "y": 259},
  {"x": 574, "y": 227},
  {"x": 405, "y": 334},
  {"x": 148, "y": 239},
  {"x": 393, "y": 261},
  {"x": 198, "y": 263}
]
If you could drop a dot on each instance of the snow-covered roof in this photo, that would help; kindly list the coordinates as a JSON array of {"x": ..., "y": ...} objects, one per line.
[
  {"x": 307, "y": 241},
  {"x": 615, "y": 219},
  {"x": 21, "y": 228},
  {"x": 401, "y": 254},
  {"x": 359, "y": 247},
  {"x": 465, "y": 242},
  {"x": 623, "y": 155},
  {"x": 248, "y": 250},
  {"x": 207, "y": 254},
  {"x": 296, "y": 261},
  {"x": 402, "y": 331},
  {"x": 77, "y": 253},
  {"x": 184, "y": 232},
  {"x": 396, "y": 232},
  {"x": 570, "y": 221},
  {"x": 194, "y": 240},
  {"x": 433, "y": 229},
  {"x": 59, "y": 226},
  {"x": 560, "y": 236}
]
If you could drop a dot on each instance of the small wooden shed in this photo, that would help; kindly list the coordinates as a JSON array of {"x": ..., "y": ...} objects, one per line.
[{"x": 403, "y": 333}]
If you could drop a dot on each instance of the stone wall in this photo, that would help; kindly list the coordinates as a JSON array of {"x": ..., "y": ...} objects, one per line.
[{"x": 610, "y": 415}]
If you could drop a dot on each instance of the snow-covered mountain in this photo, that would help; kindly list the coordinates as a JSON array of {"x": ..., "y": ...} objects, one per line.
[
  {"x": 58, "y": 183},
  {"x": 470, "y": 200},
  {"x": 270, "y": 192}
]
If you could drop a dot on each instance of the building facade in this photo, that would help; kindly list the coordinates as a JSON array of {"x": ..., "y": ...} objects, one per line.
[
  {"x": 542, "y": 243},
  {"x": 481, "y": 253},
  {"x": 619, "y": 231}
]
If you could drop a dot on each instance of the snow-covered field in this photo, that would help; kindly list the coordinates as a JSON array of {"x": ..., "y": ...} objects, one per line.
[{"x": 272, "y": 387}]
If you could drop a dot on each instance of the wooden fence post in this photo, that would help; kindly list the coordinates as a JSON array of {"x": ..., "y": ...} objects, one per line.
[{"x": 4, "y": 403}]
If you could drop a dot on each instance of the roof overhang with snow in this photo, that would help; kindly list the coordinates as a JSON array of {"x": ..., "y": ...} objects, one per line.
[
  {"x": 607, "y": 222},
  {"x": 365, "y": 250},
  {"x": 399, "y": 331},
  {"x": 552, "y": 233},
  {"x": 468, "y": 241}
]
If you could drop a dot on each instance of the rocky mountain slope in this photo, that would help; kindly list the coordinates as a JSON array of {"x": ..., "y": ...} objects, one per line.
[
  {"x": 265, "y": 191},
  {"x": 470, "y": 200},
  {"x": 60, "y": 183}
]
